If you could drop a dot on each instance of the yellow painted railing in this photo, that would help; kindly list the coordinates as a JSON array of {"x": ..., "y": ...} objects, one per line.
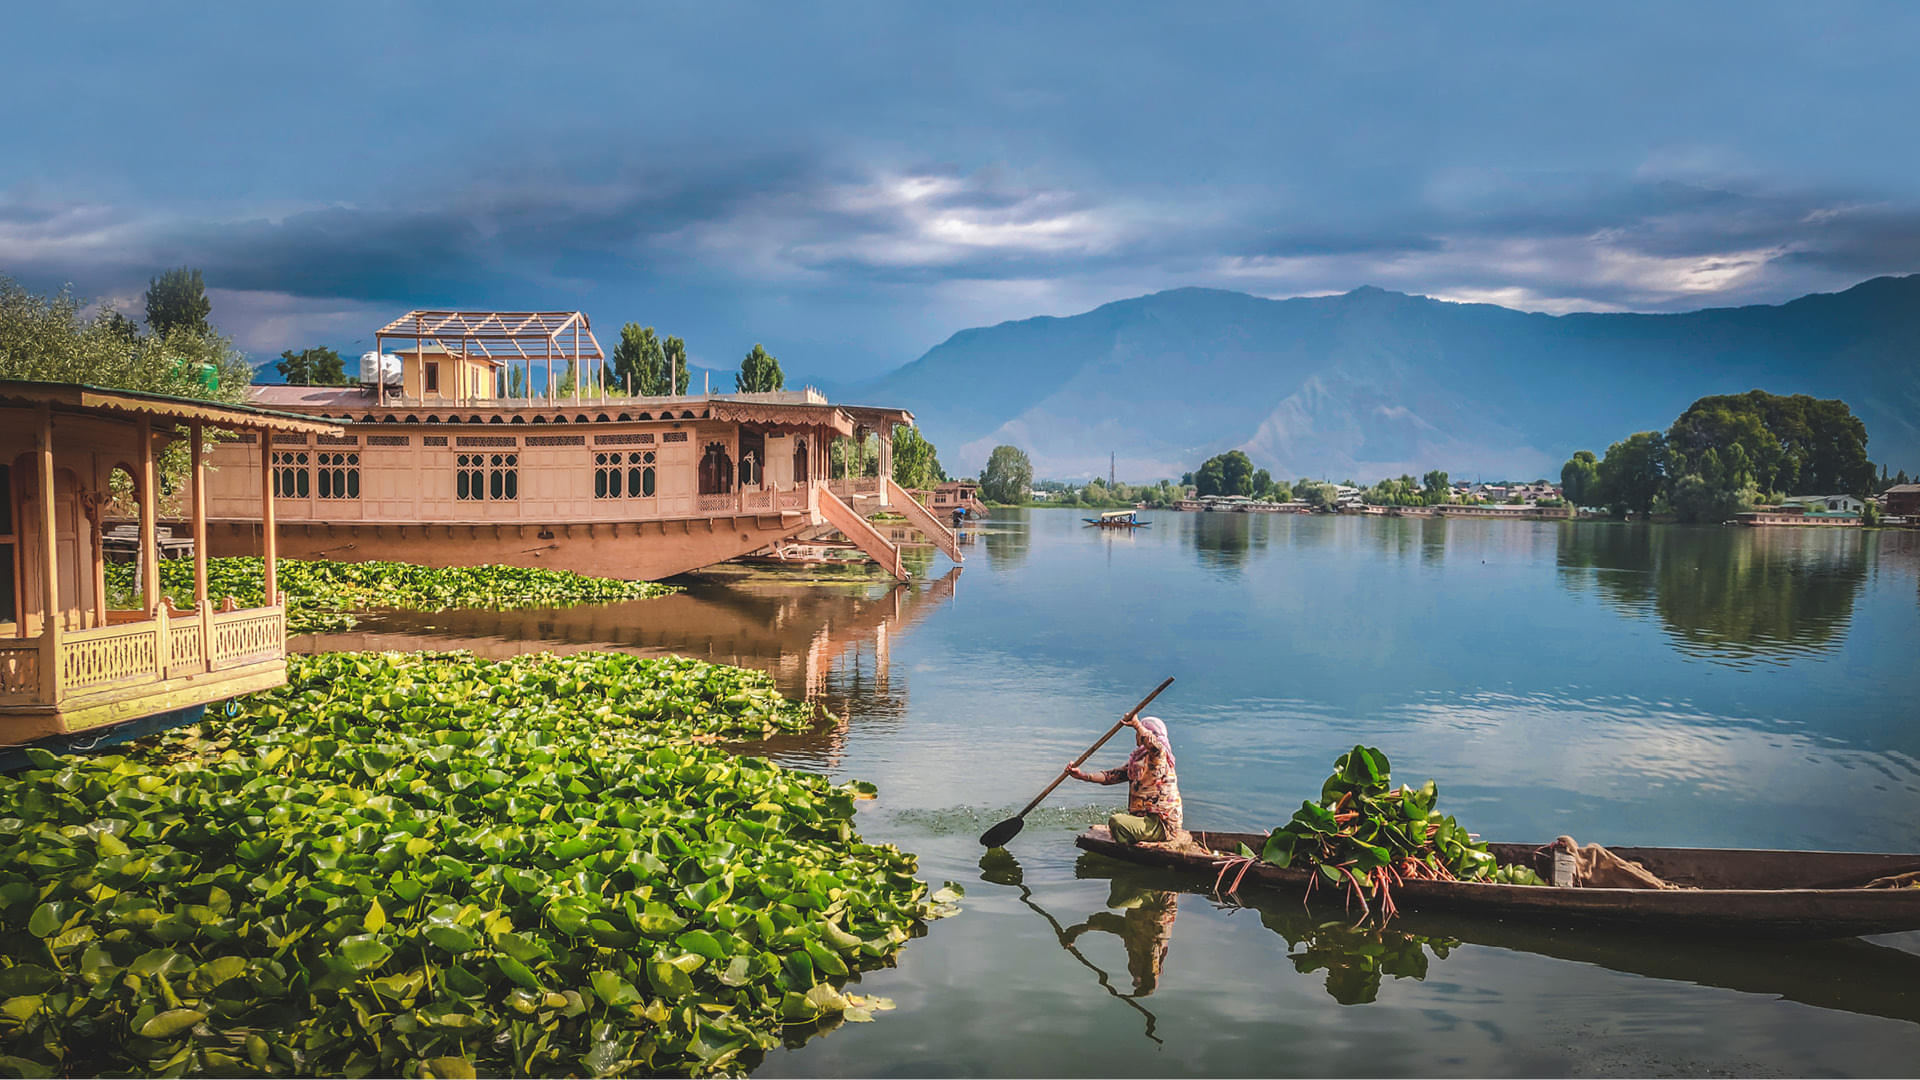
[{"x": 129, "y": 653}]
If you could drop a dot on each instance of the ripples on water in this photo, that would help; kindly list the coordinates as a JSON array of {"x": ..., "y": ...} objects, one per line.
[{"x": 1666, "y": 686}]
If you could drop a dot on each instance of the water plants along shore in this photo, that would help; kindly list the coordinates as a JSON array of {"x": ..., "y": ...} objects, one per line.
[
  {"x": 322, "y": 595},
  {"x": 419, "y": 865}
]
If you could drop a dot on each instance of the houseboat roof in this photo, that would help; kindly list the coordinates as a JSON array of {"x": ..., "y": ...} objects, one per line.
[
  {"x": 159, "y": 406},
  {"x": 799, "y": 408}
]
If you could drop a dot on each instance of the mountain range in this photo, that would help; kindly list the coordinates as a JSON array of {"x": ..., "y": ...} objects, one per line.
[{"x": 1373, "y": 383}]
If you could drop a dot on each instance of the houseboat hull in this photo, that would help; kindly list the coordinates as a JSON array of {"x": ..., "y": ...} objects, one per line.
[{"x": 644, "y": 550}]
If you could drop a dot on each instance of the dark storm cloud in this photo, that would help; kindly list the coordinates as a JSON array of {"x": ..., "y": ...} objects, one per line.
[{"x": 865, "y": 181}]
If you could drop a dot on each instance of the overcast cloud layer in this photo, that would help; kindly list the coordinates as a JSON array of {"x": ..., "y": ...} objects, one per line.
[{"x": 852, "y": 184}]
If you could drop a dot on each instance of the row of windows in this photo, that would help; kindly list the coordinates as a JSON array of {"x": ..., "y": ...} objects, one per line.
[
  {"x": 630, "y": 475},
  {"x": 494, "y": 477}
]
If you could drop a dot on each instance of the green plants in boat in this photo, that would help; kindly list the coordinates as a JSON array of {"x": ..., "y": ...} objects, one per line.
[{"x": 1364, "y": 835}]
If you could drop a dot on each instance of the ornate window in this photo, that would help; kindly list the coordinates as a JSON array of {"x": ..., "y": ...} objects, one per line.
[
  {"x": 800, "y": 460},
  {"x": 290, "y": 479},
  {"x": 339, "y": 475},
  {"x": 629, "y": 475},
  {"x": 486, "y": 477},
  {"x": 640, "y": 475}
]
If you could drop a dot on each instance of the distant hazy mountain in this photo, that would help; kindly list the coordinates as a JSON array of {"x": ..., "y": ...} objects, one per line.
[{"x": 1376, "y": 383}]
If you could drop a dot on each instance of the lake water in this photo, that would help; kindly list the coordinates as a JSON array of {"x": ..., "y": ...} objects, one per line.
[{"x": 1630, "y": 685}]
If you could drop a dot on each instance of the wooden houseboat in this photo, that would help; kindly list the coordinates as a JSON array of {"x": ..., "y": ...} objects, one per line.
[
  {"x": 70, "y": 662},
  {"x": 445, "y": 467}
]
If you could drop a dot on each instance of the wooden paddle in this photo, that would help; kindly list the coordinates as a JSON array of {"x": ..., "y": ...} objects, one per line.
[{"x": 1010, "y": 828}]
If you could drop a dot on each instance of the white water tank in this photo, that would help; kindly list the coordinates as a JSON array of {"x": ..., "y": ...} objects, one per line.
[{"x": 378, "y": 367}]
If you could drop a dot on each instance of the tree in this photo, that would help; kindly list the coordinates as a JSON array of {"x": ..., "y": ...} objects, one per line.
[
  {"x": 176, "y": 301},
  {"x": 759, "y": 373},
  {"x": 1007, "y": 476},
  {"x": 1580, "y": 478},
  {"x": 47, "y": 338},
  {"x": 638, "y": 362},
  {"x": 1262, "y": 484},
  {"x": 318, "y": 366},
  {"x": 1437, "y": 487},
  {"x": 1230, "y": 473},
  {"x": 1322, "y": 496},
  {"x": 1633, "y": 473},
  {"x": 915, "y": 463},
  {"x": 677, "y": 374}
]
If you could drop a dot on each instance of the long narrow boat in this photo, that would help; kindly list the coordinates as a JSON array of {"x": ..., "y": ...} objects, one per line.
[
  {"x": 1118, "y": 519},
  {"x": 1726, "y": 892}
]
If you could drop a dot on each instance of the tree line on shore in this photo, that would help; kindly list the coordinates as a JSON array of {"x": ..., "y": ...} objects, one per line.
[{"x": 1727, "y": 454}]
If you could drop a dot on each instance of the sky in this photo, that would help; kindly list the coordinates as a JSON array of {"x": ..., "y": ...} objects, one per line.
[{"x": 852, "y": 183}]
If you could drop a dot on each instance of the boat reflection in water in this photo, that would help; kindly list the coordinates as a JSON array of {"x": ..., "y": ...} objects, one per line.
[{"x": 1856, "y": 975}]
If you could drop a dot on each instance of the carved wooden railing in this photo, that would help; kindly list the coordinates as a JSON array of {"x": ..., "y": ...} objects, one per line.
[
  {"x": 186, "y": 645},
  {"x": 756, "y": 500},
  {"x": 110, "y": 654},
  {"x": 19, "y": 670},
  {"x": 247, "y": 637},
  {"x": 790, "y": 500},
  {"x": 858, "y": 485},
  {"x": 721, "y": 504}
]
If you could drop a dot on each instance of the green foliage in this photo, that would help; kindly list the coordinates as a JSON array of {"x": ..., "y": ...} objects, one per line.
[
  {"x": 1580, "y": 479},
  {"x": 677, "y": 374},
  {"x": 321, "y": 594},
  {"x": 1438, "y": 487},
  {"x": 645, "y": 363},
  {"x": 318, "y": 366},
  {"x": 759, "y": 373},
  {"x": 405, "y": 865},
  {"x": 1406, "y": 491},
  {"x": 1633, "y": 474},
  {"x": 1230, "y": 473},
  {"x": 177, "y": 301},
  {"x": 1008, "y": 475},
  {"x": 1363, "y": 834},
  {"x": 47, "y": 338},
  {"x": 1796, "y": 444},
  {"x": 916, "y": 463},
  {"x": 1319, "y": 496}
]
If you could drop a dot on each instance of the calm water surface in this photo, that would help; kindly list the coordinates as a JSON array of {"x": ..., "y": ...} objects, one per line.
[{"x": 1624, "y": 684}]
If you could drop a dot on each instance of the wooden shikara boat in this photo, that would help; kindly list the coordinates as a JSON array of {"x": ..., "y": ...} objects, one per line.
[
  {"x": 1725, "y": 892},
  {"x": 1118, "y": 519}
]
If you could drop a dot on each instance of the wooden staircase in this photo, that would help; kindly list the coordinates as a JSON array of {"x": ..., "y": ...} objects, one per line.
[
  {"x": 864, "y": 536},
  {"x": 923, "y": 519}
]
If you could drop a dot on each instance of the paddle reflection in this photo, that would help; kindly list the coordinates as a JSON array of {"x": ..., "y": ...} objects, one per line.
[{"x": 1146, "y": 952}]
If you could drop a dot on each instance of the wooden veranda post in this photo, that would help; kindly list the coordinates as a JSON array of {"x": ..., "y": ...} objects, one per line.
[
  {"x": 49, "y": 555},
  {"x": 269, "y": 532},
  {"x": 149, "y": 520},
  {"x": 198, "y": 447}
]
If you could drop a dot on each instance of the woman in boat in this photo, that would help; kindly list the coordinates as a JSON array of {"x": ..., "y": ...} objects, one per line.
[{"x": 1153, "y": 792}]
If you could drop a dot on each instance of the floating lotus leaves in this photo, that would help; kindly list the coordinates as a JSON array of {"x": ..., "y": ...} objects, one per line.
[
  {"x": 322, "y": 594},
  {"x": 440, "y": 866}
]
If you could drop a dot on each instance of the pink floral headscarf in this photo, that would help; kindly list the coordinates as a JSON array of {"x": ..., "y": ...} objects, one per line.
[{"x": 1155, "y": 729}]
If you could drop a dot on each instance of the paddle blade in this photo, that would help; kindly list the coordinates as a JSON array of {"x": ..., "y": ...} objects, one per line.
[{"x": 1003, "y": 832}]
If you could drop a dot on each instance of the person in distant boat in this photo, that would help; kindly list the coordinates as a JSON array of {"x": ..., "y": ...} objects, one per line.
[
  {"x": 959, "y": 515},
  {"x": 1153, "y": 792}
]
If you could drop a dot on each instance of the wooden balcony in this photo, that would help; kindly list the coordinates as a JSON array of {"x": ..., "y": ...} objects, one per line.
[{"x": 135, "y": 667}]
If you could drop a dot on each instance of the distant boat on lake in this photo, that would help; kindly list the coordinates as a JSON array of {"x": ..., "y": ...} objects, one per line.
[{"x": 1118, "y": 519}]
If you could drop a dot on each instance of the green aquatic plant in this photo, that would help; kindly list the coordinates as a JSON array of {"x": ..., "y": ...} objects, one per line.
[
  {"x": 1365, "y": 835},
  {"x": 322, "y": 594},
  {"x": 438, "y": 866}
]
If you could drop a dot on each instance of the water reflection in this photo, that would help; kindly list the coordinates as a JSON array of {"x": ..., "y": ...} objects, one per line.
[
  {"x": 1853, "y": 975},
  {"x": 1733, "y": 596},
  {"x": 1224, "y": 541},
  {"x": 825, "y": 640},
  {"x": 1146, "y": 951},
  {"x": 1007, "y": 538}
]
